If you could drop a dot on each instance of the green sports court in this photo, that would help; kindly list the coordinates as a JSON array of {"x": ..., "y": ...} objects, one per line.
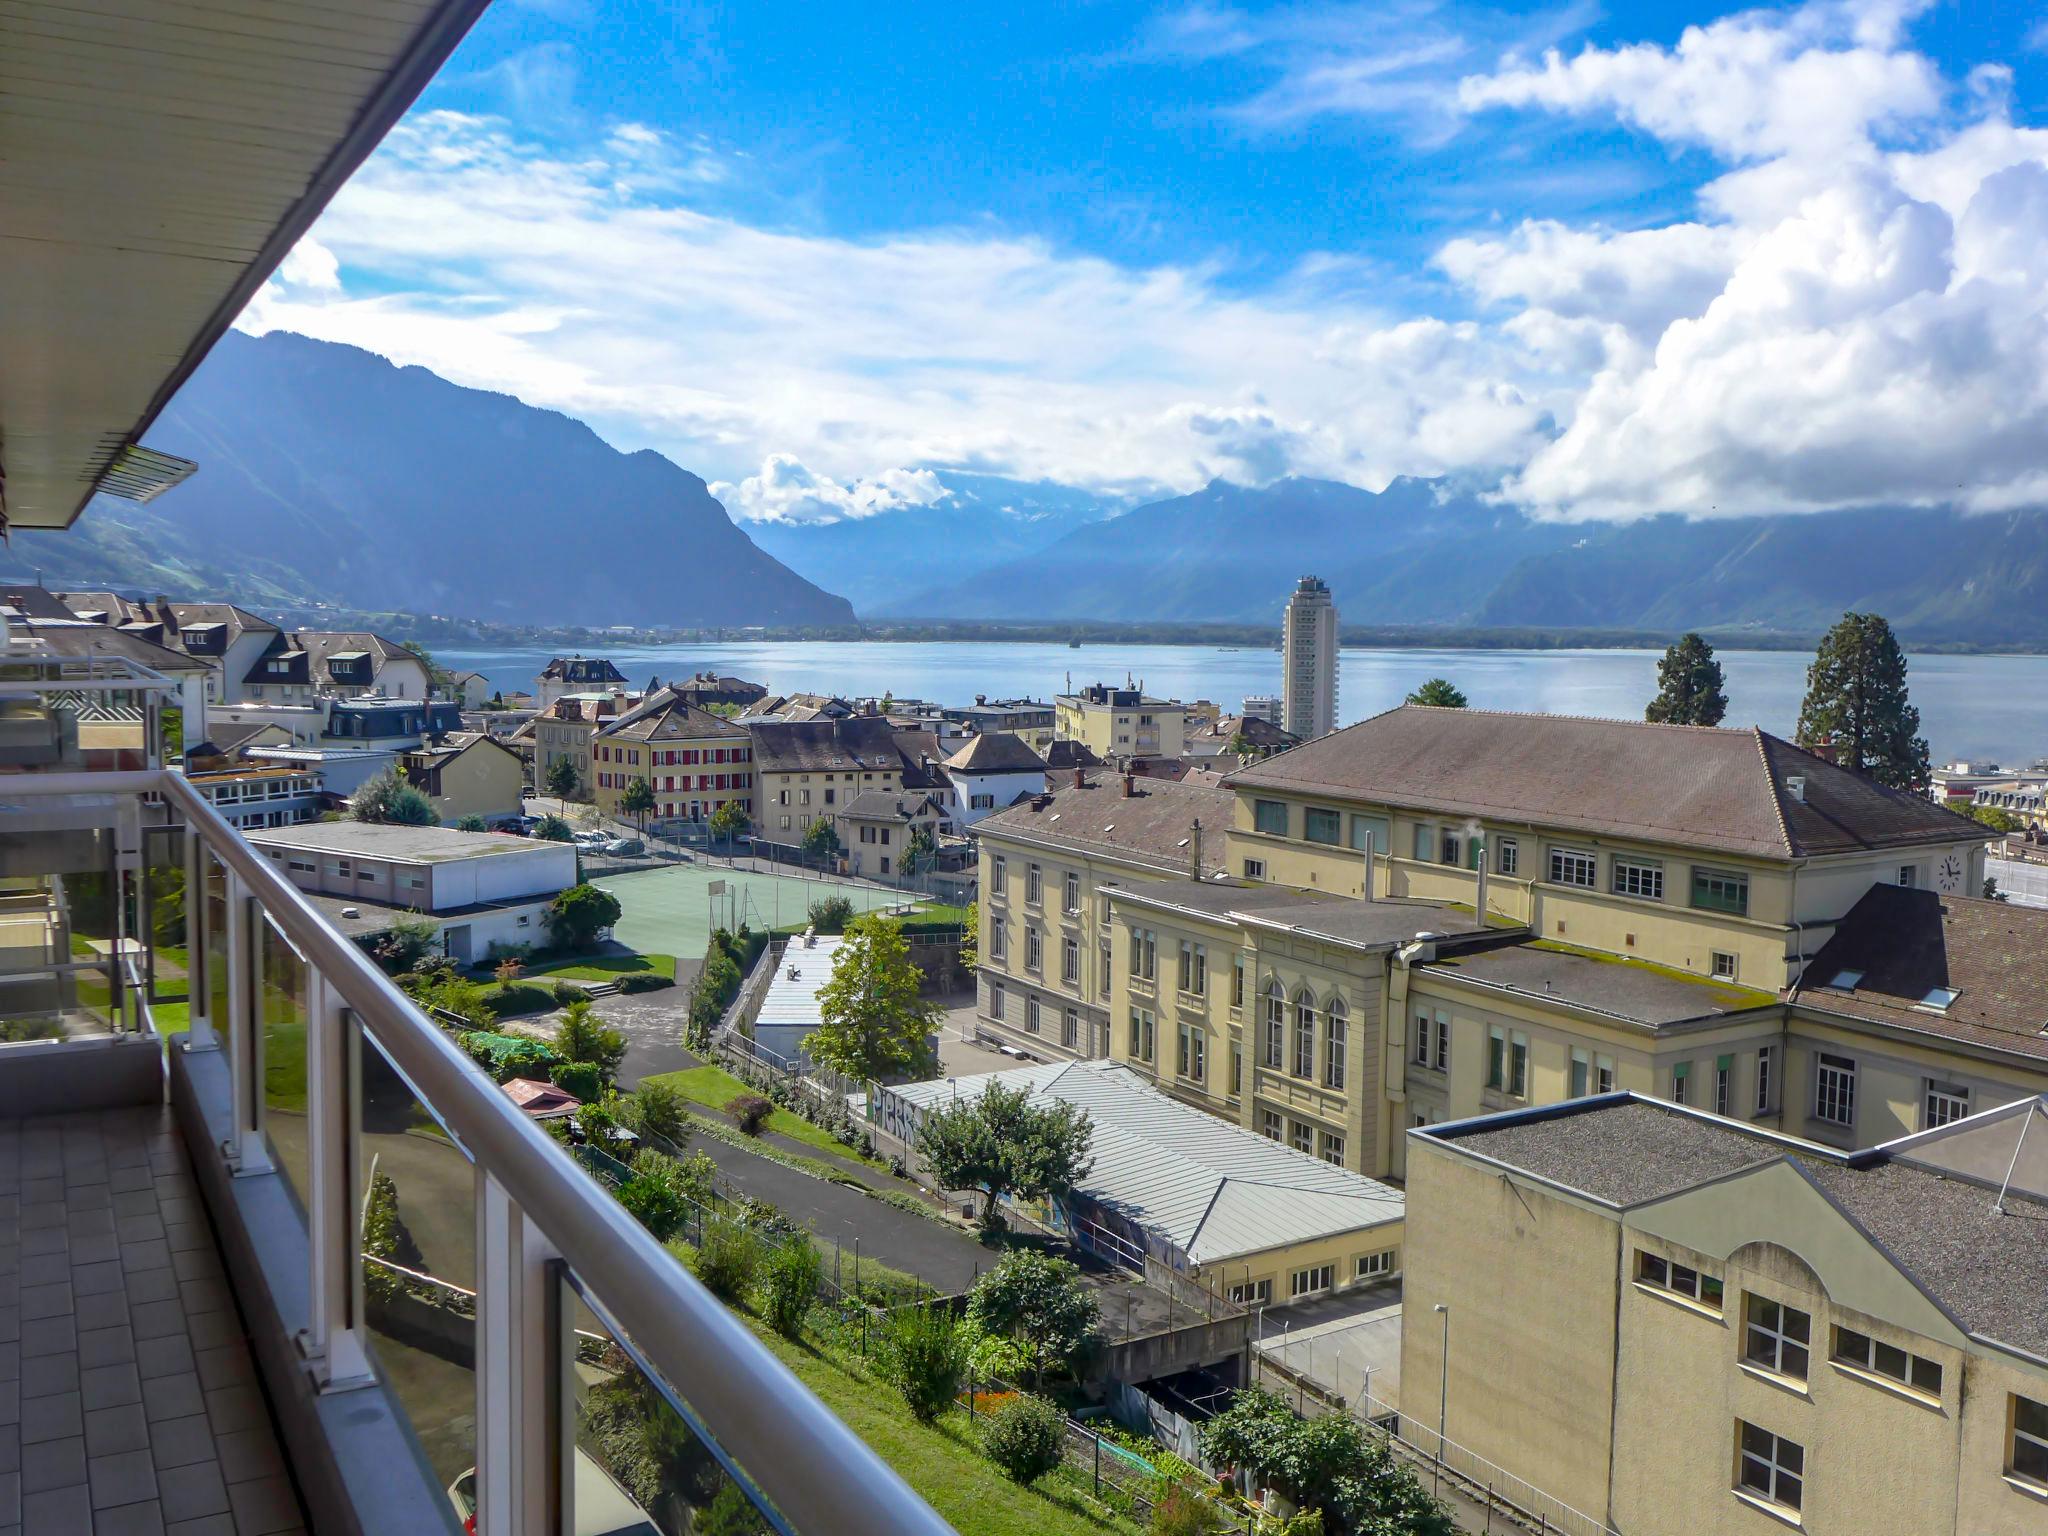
[{"x": 672, "y": 910}]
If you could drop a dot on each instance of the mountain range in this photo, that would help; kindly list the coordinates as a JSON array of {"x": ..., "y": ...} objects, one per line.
[{"x": 328, "y": 475}]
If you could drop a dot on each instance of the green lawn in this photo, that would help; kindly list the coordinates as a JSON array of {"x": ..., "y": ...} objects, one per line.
[
  {"x": 714, "y": 1088},
  {"x": 604, "y": 967},
  {"x": 941, "y": 1461}
]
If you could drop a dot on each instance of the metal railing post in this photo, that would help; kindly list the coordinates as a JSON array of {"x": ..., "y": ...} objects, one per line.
[
  {"x": 246, "y": 1154},
  {"x": 520, "y": 1372},
  {"x": 332, "y": 1342}
]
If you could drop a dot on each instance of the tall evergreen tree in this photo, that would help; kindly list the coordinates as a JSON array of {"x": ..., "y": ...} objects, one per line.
[
  {"x": 1856, "y": 700},
  {"x": 1438, "y": 693},
  {"x": 1690, "y": 687}
]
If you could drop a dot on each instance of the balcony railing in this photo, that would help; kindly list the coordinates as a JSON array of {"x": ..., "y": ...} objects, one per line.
[{"x": 546, "y": 1355}]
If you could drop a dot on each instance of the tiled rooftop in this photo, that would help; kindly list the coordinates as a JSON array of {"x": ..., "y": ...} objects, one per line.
[{"x": 130, "y": 1399}]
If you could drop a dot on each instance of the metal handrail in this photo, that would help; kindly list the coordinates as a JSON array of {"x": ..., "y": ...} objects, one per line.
[{"x": 772, "y": 1423}]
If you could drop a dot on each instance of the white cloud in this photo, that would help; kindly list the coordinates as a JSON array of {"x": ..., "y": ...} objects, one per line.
[
  {"x": 1856, "y": 314},
  {"x": 1813, "y": 82},
  {"x": 783, "y": 491}
]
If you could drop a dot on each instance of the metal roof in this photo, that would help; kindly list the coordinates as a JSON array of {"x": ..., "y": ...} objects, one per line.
[
  {"x": 1215, "y": 1190},
  {"x": 791, "y": 1001},
  {"x": 157, "y": 161}
]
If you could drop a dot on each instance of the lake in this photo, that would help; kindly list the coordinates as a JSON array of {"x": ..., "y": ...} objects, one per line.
[{"x": 1970, "y": 706}]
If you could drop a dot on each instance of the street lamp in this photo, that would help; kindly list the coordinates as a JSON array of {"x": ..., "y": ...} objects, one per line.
[{"x": 1443, "y": 1392}]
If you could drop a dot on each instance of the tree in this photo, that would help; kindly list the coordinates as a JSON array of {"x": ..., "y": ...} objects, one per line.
[
  {"x": 581, "y": 1035},
  {"x": 552, "y": 829},
  {"x": 921, "y": 851},
  {"x": 1690, "y": 687},
  {"x": 970, "y": 938},
  {"x": 388, "y": 798},
  {"x": 1039, "y": 1301},
  {"x": 1328, "y": 1464},
  {"x": 576, "y": 916},
  {"x": 873, "y": 1021},
  {"x": 821, "y": 841},
  {"x": 730, "y": 821},
  {"x": 1991, "y": 892},
  {"x": 470, "y": 823},
  {"x": 1438, "y": 693},
  {"x": 1996, "y": 817},
  {"x": 1856, "y": 702},
  {"x": 637, "y": 801},
  {"x": 657, "y": 1109},
  {"x": 171, "y": 732},
  {"x": 831, "y": 914},
  {"x": 791, "y": 1279},
  {"x": 562, "y": 780},
  {"x": 581, "y": 1080},
  {"x": 409, "y": 940},
  {"x": 1003, "y": 1143}
]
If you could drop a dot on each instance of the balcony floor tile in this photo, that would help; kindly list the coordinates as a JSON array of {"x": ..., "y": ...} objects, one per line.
[{"x": 129, "y": 1405}]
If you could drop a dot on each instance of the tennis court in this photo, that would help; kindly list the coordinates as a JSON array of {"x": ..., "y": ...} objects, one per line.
[{"x": 671, "y": 911}]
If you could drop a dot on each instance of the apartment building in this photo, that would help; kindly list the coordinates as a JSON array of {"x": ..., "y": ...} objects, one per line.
[
  {"x": 1711, "y": 1328},
  {"x": 578, "y": 674},
  {"x": 563, "y": 731},
  {"x": 233, "y": 640},
  {"x": 1048, "y": 963},
  {"x": 467, "y": 774},
  {"x": 875, "y": 828},
  {"x": 990, "y": 771},
  {"x": 249, "y": 797},
  {"x": 1300, "y": 1010},
  {"x": 808, "y": 770},
  {"x": 1308, "y": 661},
  {"x": 346, "y": 664},
  {"x": 1029, "y": 719},
  {"x": 693, "y": 761},
  {"x": 1118, "y": 723}
]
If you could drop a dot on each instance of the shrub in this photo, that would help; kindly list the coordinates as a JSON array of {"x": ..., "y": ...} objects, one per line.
[
  {"x": 657, "y": 1110},
  {"x": 924, "y": 1356},
  {"x": 580, "y": 1035},
  {"x": 792, "y": 1275},
  {"x": 567, "y": 992},
  {"x": 727, "y": 1260},
  {"x": 508, "y": 970},
  {"x": 655, "y": 1195},
  {"x": 750, "y": 1113},
  {"x": 578, "y": 1078},
  {"x": 1023, "y": 1438},
  {"x": 1180, "y": 1512},
  {"x": 522, "y": 997},
  {"x": 831, "y": 914},
  {"x": 644, "y": 981},
  {"x": 576, "y": 916}
]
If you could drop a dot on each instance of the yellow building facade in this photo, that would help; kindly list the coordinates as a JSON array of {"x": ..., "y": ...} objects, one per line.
[
  {"x": 1712, "y": 1329},
  {"x": 692, "y": 761},
  {"x": 1116, "y": 723},
  {"x": 1658, "y": 965}
]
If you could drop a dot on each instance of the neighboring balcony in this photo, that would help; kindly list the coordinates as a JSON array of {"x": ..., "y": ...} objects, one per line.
[{"x": 452, "y": 1325}]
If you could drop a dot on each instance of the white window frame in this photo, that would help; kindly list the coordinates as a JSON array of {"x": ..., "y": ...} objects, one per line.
[
  {"x": 1070, "y": 961},
  {"x": 1565, "y": 862},
  {"x": 1507, "y": 856},
  {"x": 1640, "y": 878},
  {"x": 1942, "y": 1103},
  {"x": 1070, "y": 1029},
  {"x": 1331, "y": 1148},
  {"x": 1723, "y": 964},
  {"x": 1305, "y": 1035},
  {"x": 996, "y": 1002},
  {"x": 1766, "y": 1087},
  {"x": 1032, "y": 1010},
  {"x": 1834, "y": 1089},
  {"x": 1255, "y": 869},
  {"x": 1034, "y": 949},
  {"x": 1034, "y": 885},
  {"x": 1376, "y": 1266},
  {"x": 1256, "y": 1293},
  {"x": 1302, "y": 1137},
  {"x": 1336, "y": 1023},
  {"x": 1271, "y": 1126},
  {"x": 1770, "y": 1341},
  {"x": 1312, "y": 1281},
  {"x": 1070, "y": 896},
  {"x": 1778, "y": 1474}
]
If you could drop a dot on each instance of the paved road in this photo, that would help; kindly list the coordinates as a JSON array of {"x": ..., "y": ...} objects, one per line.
[{"x": 939, "y": 1255}]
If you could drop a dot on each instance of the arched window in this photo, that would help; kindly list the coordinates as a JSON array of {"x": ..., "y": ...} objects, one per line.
[
  {"x": 1276, "y": 1025},
  {"x": 1305, "y": 1034},
  {"x": 1333, "y": 1049}
]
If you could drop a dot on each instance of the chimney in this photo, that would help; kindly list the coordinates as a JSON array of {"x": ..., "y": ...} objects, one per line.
[
  {"x": 980, "y": 699},
  {"x": 1080, "y": 777},
  {"x": 1130, "y": 785},
  {"x": 1195, "y": 850},
  {"x": 1826, "y": 751}
]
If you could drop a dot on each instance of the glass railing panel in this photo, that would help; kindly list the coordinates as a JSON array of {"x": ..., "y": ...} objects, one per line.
[
  {"x": 284, "y": 1004},
  {"x": 419, "y": 1267},
  {"x": 165, "y": 963},
  {"x": 644, "y": 1463},
  {"x": 215, "y": 878}
]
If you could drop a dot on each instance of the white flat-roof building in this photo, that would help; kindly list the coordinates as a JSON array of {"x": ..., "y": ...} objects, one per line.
[
  {"x": 1253, "y": 1218},
  {"x": 789, "y": 1010},
  {"x": 483, "y": 888}
]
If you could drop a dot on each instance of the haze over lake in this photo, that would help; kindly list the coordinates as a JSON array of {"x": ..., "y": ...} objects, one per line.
[{"x": 1970, "y": 706}]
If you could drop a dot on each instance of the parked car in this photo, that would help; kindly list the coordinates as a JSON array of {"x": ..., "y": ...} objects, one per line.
[
  {"x": 603, "y": 1508},
  {"x": 625, "y": 846},
  {"x": 590, "y": 839}
]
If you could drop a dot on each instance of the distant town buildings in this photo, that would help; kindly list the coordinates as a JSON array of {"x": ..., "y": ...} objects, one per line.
[
  {"x": 810, "y": 770},
  {"x": 692, "y": 761},
  {"x": 1308, "y": 661},
  {"x": 577, "y": 674},
  {"x": 1121, "y": 722},
  {"x": 1264, "y": 706},
  {"x": 1028, "y": 718}
]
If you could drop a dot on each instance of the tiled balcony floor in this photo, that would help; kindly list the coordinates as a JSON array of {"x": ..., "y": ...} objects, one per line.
[{"x": 128, "y": 1400}]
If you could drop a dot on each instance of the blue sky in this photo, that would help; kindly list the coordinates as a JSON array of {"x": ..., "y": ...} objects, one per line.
[{"x": 814, "y": 251}]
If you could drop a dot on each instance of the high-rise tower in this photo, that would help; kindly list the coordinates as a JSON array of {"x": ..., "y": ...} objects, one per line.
[{"x": 1309, "y": 661}]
